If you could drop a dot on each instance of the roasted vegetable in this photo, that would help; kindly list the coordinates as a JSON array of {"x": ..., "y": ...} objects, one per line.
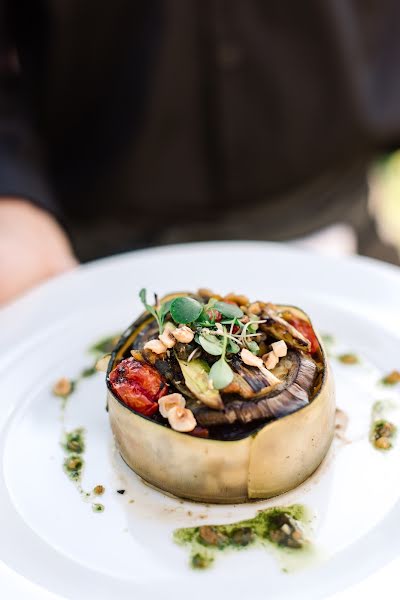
[
  {"x": 196, "y": 378},
  {"x": 138, "y": 385},
  {"x": 289, "y": 396},
  {"x": 258, "y": 436}
]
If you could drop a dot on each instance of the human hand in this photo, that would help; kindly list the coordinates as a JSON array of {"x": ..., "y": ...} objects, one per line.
[{"x": 33, "y": 247}]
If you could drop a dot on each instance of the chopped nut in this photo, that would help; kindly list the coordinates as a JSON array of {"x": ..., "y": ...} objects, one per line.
[
  {"x": 181, "y": 419},
  {"x": 167, "y": 402},
  {"x": 270, "y": 360},
  {"x": 382, "y": 434},
  {"x": 279, "y": 348},
  {"x": 207, "y": 294},
  {"x": 103, "y": 362},
  {"x": 384, "y": 428},
  {"x": 73, "y": 463},
  {"x": 212, "y": 537},
  {"x": 201, "y": 562},
  {"x": 383, "y": 443},
  {"x": 297, "y": 535},
  {"x": 286, "y": 529},
  {"x": 238, "y": 299},
  {"x": 348, "y": 359},
  {"x": 252, "y": 360},
  {"x": 155, "y": 346},
  {"x": 137, "y": 355},
  {"x": 166, "y": 337},
  {"x": 99, "y": 490},
  {"x": 242, "y": 536},
  {"x": 255, "y": 308},
  {"x": 183, "y": 334},
  {"x": 63, "y": 387},
  {"x": 392, "y": 378}
]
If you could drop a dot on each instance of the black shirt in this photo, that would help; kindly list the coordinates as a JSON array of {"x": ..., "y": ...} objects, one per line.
[{"x": 162, "y": 113}]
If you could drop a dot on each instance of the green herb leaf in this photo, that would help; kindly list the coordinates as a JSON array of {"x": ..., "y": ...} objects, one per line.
[
  {"x": 160, "y": 313},
  {"x": 185, "y": 310},
  {"x": 142, "y": 296},
  {"x": 203, "y": 319},
  {"x": 150, "y": 309},
  {"x": 233, "y": 347},
  {"x": 221, "y": 374},
  {"x": 231, "y": 311},
  {"x": 105, "y": 345},
  {"x": 253, "y": 347},
  {"x": 211, "y": 344},
  {"x": 165, "y": 308}
]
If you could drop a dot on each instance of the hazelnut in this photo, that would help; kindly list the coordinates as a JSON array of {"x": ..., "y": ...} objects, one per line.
[
  {"x": 166, "y": 337},
  {"x": 255, "y": 308},
  {"x": 383, "y": 443},
  {"x": 183, "y": 334},
  {"x": 279, "y": 348},
  {"x": 251, "y": 359},
  {"x": 155, "y": 346},
  {"x": 238, "y": 299},
  {"x": 102, "y": 363},
  {"x": 207, "y": 294},
  {"x": 167, "y": 402},
  {"x": 63, "y": 387},
  {"x": 181, "y": 419},
  {"x": 270, "y": 360},
  {"x": 392, "y": 378}
]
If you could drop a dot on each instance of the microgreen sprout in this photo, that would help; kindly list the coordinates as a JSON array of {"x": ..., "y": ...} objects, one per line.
[
  {"x": 159, "y": 312},
  {"x": 221, "y": 374},
  {"x": 215, "y": 335}
]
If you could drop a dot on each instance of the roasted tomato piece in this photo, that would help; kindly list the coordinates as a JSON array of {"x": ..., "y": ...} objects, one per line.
[
  {"x": 138, "y": 385},
  {"x": 200, "y": 432},
  {"x": 305, "y": 328}
]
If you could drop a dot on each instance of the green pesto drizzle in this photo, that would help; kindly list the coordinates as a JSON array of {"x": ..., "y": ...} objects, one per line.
[
  {"x": 73, "y": 442},
  {"x": 104, "y": 345},
  {"x": 277, "y": 528},
  {"x": 327, "y": 339},
  {"x": 73, "y": 466},
  {"x": 88, "y": 372},
  {"x": 382, "y": 431}
]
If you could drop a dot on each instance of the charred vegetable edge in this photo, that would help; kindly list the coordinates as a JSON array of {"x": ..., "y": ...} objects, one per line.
[{"x": 143, "y": 319}]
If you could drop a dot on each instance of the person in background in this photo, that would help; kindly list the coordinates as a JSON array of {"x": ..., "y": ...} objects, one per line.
[{"x": 128, "y": 124}]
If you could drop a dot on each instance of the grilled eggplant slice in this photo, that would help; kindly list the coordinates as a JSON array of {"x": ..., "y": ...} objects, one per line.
[
  {"x": 261, "y": 442},
  {"x": 289, "y": 396}
]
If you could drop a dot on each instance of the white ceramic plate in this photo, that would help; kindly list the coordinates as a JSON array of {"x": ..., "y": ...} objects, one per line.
[{"x": 52, "y": 539}]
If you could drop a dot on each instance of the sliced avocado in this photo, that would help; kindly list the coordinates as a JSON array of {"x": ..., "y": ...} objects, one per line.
[{"x": 196, "y": 373}]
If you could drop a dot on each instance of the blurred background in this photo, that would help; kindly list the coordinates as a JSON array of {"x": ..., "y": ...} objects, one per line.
[{"x": 127, "y": 125}]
